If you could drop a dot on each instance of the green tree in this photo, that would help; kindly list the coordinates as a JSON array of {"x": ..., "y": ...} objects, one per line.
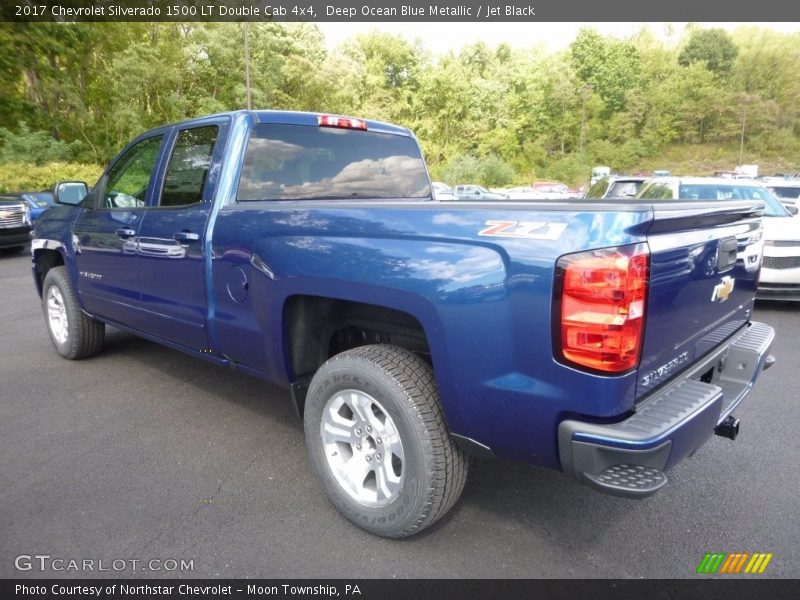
[
  {"x": 713, "y": 47},
  {"x": 389, "y": 76},
  {"x": 36, "y": 147},
  {"x": 610, "y": 66}
]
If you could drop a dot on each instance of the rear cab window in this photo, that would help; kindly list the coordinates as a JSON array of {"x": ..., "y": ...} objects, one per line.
[{"x": 299, "y": 162}]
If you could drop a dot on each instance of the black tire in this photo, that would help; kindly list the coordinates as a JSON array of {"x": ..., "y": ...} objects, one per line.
[
  {"x": 84, "y": 337},
  {"x": 14, "y": 250},
  {"x": 433, "y": 470}
]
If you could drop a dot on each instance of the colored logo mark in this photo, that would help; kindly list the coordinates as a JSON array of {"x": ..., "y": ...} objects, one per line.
[
  {"x": 723, "y": 289},
  {"x": 735, "y": 562}
]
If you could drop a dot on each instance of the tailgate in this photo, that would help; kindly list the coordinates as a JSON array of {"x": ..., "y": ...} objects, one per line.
[{"x": 704, "y": 264}]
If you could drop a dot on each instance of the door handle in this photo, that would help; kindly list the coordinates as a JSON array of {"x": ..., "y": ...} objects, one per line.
[
  {"x": 126, "y": 233},
  {"x": 186, "y": 236}
]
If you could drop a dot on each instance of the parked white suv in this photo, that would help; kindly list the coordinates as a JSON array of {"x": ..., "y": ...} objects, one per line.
[
  {"x": 780, "y": 268},
  {"x": 786, "y": 190},
  {"x": 476, "y": 192},
  {"x": 442, "y": 191}
]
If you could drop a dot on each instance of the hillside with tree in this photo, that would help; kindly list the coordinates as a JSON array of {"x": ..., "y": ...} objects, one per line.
[{"x": 72, "y": 94}]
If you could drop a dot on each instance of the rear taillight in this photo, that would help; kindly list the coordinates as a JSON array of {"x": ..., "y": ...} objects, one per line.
[
  {"x": 341, "y": 122},
  {"x": 600, "y": 308}
]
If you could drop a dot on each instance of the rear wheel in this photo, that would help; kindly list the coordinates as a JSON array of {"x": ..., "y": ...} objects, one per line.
[
  {"x": 378, "y": 441},
  {"x": 74, "y": 334}
]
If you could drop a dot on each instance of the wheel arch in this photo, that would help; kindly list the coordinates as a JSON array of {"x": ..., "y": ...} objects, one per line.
[
  {"x": 319, "y": 327},
  {"x": 44, "y": 259}
]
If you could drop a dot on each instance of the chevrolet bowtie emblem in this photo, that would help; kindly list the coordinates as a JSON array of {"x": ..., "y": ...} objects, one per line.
[{"x": 723, "y": 289}]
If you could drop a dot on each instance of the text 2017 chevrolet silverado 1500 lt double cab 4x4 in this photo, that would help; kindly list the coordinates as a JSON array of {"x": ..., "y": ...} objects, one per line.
[{"x": 607, "y": 340}]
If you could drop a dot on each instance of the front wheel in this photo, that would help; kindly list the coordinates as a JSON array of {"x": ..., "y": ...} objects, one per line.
[
  {"x": 74, "y": 334},
  {"x": 377, "y": 439}
]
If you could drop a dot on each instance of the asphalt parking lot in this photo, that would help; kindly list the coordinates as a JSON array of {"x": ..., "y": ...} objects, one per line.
[{"x": 144, "y": 453}]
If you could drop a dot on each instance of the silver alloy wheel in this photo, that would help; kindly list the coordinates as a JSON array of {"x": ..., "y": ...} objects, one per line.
[
  {"x": 363, "y": 447},
  {"x": 57, "y": 315}
]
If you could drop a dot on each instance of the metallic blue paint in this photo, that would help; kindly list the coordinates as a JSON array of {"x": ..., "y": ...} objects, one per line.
[
  {"x": 485, "y": 303},
  {"x": 682, "y": 281},
  {"x": 171, "y": 271}
]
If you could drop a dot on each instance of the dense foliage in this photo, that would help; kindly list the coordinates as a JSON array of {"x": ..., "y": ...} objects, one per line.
[{"x": 79, "y": 92}]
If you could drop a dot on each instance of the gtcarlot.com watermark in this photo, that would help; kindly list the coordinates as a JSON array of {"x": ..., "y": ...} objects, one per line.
[{"x": 58, "y": 564}]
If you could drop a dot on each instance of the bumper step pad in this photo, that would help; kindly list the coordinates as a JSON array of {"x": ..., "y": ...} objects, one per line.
[
  {"x": 628, "y": 480},
  {"x": 629, "y": 458}
]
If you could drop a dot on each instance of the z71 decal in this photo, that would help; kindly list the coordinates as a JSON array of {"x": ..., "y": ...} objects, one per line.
[{"x": 529, "y": 230}]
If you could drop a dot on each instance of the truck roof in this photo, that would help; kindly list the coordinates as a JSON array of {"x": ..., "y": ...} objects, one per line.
[{"x": 290, "y": 117}]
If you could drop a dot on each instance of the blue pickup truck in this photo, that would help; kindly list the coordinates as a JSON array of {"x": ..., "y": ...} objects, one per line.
[{"x": 608, "y": 340}]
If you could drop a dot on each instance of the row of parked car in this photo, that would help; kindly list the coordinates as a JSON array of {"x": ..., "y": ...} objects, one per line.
[
  {"x": 538, "y": 190},
  {"x": 780, "y": 269},
  {"x": 787, "y": 190},
  {"x": 18, "y": 211}
]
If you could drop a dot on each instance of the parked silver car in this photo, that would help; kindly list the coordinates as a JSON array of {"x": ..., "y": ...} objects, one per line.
[{"x": 476, "y": 192}]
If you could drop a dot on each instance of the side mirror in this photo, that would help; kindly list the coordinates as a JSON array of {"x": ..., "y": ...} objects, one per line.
[
  {"x": 71, "y": 193},
  {"x": 792, "y": 209}
]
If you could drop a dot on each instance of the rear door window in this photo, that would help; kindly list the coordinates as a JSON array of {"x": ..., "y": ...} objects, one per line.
[{"x": 187, "y": 173}]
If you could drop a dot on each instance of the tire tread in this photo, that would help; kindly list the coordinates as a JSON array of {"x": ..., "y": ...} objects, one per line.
[
  {"x": 448, "y": 463},
  {"x": 86, "y": 334}
]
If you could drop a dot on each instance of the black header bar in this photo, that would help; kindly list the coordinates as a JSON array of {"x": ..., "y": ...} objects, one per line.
[{"x": 401, "y": 11}]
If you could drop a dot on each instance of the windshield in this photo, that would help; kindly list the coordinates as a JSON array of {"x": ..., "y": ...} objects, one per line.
[
  {"x": 598, "y": 190},
  {"x": 715, "y": 191},
  {"x": 41, "y": 199},
  {"x": 622, "y": 189},
  {"x": 296, "y": 162},
  {"x": 782, "y": 191}
]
